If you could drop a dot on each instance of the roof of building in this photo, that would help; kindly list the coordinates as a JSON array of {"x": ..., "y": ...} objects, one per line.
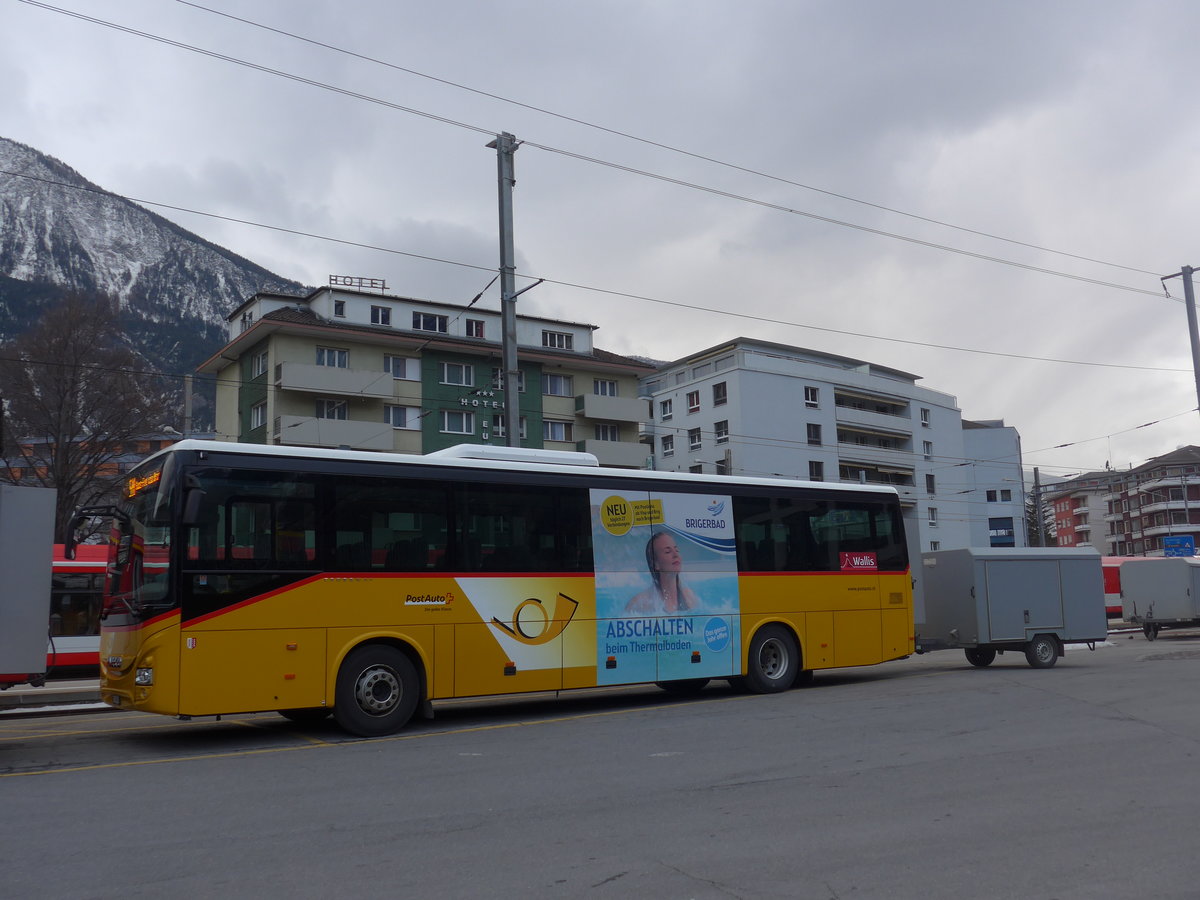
[
  {"x": 819, "y": 356},
  {"x": 300, "y": 316},
  {"x": 376, "y": 295}
]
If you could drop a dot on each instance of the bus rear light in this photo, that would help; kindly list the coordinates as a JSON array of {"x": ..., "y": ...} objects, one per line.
[
  {"x": 144, "y": 677},
  {"x": 510, "y": 668},
  {"x": 610, "y": 663},
  {"x": 695, "y": 656}
]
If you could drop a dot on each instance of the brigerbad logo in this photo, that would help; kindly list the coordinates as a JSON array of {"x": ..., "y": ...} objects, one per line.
[{"x": 716, "y": 507}]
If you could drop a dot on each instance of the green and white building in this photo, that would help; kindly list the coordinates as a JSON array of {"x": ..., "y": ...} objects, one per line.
[{"x": 372, "y": 371}]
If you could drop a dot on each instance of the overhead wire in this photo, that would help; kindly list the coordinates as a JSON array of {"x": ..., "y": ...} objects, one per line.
[
  {"x": 584, "y": 158},
  {"x": 653, "y": 143},
  {"x": 593, "y": 289}
]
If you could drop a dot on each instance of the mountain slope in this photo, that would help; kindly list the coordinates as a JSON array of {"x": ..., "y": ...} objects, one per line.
[{"x": 60, "y": 232}]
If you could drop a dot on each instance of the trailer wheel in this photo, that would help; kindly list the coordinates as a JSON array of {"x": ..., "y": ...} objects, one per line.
[
  {"x": 1042, "y": 651},
  {"x": 773, "y": 660},
  {"x": 1150, "y": 630},
  {"x": 377, "y": 691},
  {"x": 980, "y": 656}
]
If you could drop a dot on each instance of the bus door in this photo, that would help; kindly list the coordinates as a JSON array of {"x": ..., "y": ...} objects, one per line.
[{"x": 252, "y": 635}]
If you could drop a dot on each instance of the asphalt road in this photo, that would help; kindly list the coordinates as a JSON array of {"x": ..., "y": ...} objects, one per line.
[{"x": 919, "y": 778}]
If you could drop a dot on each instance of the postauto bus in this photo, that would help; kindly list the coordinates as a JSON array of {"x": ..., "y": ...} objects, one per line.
[{"x": 248, "y": 578}]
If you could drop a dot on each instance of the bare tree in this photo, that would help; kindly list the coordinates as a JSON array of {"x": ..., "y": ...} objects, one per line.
[{"x": 74, "y": 397}]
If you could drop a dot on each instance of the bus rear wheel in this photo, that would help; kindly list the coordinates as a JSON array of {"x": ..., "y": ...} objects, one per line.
[
  {"x": 377, "y": 691},
  {"x": 773, "y": 662}
]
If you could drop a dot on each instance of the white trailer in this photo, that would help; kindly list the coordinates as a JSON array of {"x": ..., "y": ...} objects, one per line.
[
  {"x": 1159, "y": 593},
  {"x": 26, "y": 558},
  {"x": 1035, "y": 600}
]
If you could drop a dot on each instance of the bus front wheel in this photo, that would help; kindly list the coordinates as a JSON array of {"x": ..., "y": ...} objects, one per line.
[
  {"x": 774, "y": 660},
  {"x": 377, "y": 691}
]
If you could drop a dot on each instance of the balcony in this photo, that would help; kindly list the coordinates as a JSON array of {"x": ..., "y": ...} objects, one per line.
[
  {"x": 1156, "y": 506},
  {"x": 293, "y": 376},
  {"x": 621, "y": 454},
  {"x": 611, "y": 409},
  {"x": 310, "y": 431}
]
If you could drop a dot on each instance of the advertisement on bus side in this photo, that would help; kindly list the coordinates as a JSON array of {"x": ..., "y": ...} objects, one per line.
[{"x": 666, "y": 586}]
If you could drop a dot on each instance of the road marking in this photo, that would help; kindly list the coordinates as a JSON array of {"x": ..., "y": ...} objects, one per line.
[{"x": 353, "y": 742}]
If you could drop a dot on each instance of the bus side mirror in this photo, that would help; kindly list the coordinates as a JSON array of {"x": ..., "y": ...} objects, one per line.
[{"x": 191, "y": 505}]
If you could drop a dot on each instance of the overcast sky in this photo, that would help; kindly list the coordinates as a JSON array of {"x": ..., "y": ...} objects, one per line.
[{"x": 1060, "y": 137}]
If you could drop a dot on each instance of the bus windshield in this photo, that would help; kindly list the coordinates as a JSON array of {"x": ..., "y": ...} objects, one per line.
[{"x": 140, "y": 545}]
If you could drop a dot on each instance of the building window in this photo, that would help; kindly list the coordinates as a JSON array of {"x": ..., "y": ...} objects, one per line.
[
  {"x": 381, "y": 315},
  {"x": 475, "y": 328},
  {"x": 458, "y": 373},
  {"x": 458, "y": 422},
  {"x": 1006, "y": 495},
  {"x": 498, "y": 429},
  {"x": 721, "y": 431},
  {"x": 720, "y": 394},
  {"x": 812, "y": 397},
  {"x": 721, "y": 467},
  {"x": 258, "y": 415},
  {"x": 604, "y": 387},
  {"x": 816, "y": 470},
  {"x": 930, "y": 485},
  {"x": 553, "y": 430},
  {"x": 991, "y": 497},
  {"x": 339, "y": 308},
  {"x": 932, "y": 516},
  {"x": 558, "y": 340},
  {"x": 401, "y": 416},
  {"x": 498, "y": 380},
  {"x": 814, "y": 433},
  {"x": 664, "y": 409},
  {"x": 696, "y": 469},
  {"x": 556, "y": 385},
  {"x": 693, "y": 438},
  {"x": 924, "y": 416},
  {"x": 693, "y": 401},
  {"x": 935, "y": 545},
  {"x": 1001, "y": 532},
  {"x": 330, "y": 356},
  {"x": 429, "y": 322},
  {"x": 608, "y": 432},
  {"x": 401, "y": 367},
  {"x": 927, "y": 448},
  {"x": 332, "y": 409},
  {"x": 258, "y": 365},
  {"x": 668, "y": 445}
]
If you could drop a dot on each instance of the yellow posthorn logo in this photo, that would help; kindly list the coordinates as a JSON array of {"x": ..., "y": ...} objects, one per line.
[
  {"x": 616, "y": 515},
  {"x": 533, "y": 624}
]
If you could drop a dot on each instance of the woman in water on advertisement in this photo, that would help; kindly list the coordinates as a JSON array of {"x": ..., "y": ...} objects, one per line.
[{"x": 668, "y": 594}]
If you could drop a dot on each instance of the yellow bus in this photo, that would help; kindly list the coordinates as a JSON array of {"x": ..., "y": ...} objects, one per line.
[{"x": 248, "y": 578}]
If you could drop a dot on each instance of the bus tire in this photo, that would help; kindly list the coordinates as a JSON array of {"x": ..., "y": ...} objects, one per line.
[
  {"x": 980, "y": 656},
  {"x": 684, "y": 687},
  {"x": 377, "y": 691},
  {"x": 774, "y": 660},
  {"x": 1042, "y": 651}
]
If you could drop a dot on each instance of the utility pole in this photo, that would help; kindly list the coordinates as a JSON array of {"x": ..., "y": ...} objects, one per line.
[
  {"x": 1037, "y": 507},
  {"x": 506, "y": 146},
  {"x": 1190, "y": 302}
]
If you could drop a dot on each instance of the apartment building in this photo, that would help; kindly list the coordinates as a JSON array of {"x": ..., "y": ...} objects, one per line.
[
  {"x": 351, "y": 367},
  {"x": 754, "y": 407}
]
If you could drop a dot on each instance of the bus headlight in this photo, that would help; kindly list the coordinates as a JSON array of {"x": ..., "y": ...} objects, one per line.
[{"x": 144, "y": 677}]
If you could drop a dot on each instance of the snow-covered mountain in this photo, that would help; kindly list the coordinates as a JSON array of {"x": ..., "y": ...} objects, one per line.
[{"x": 60, "y": 232}]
